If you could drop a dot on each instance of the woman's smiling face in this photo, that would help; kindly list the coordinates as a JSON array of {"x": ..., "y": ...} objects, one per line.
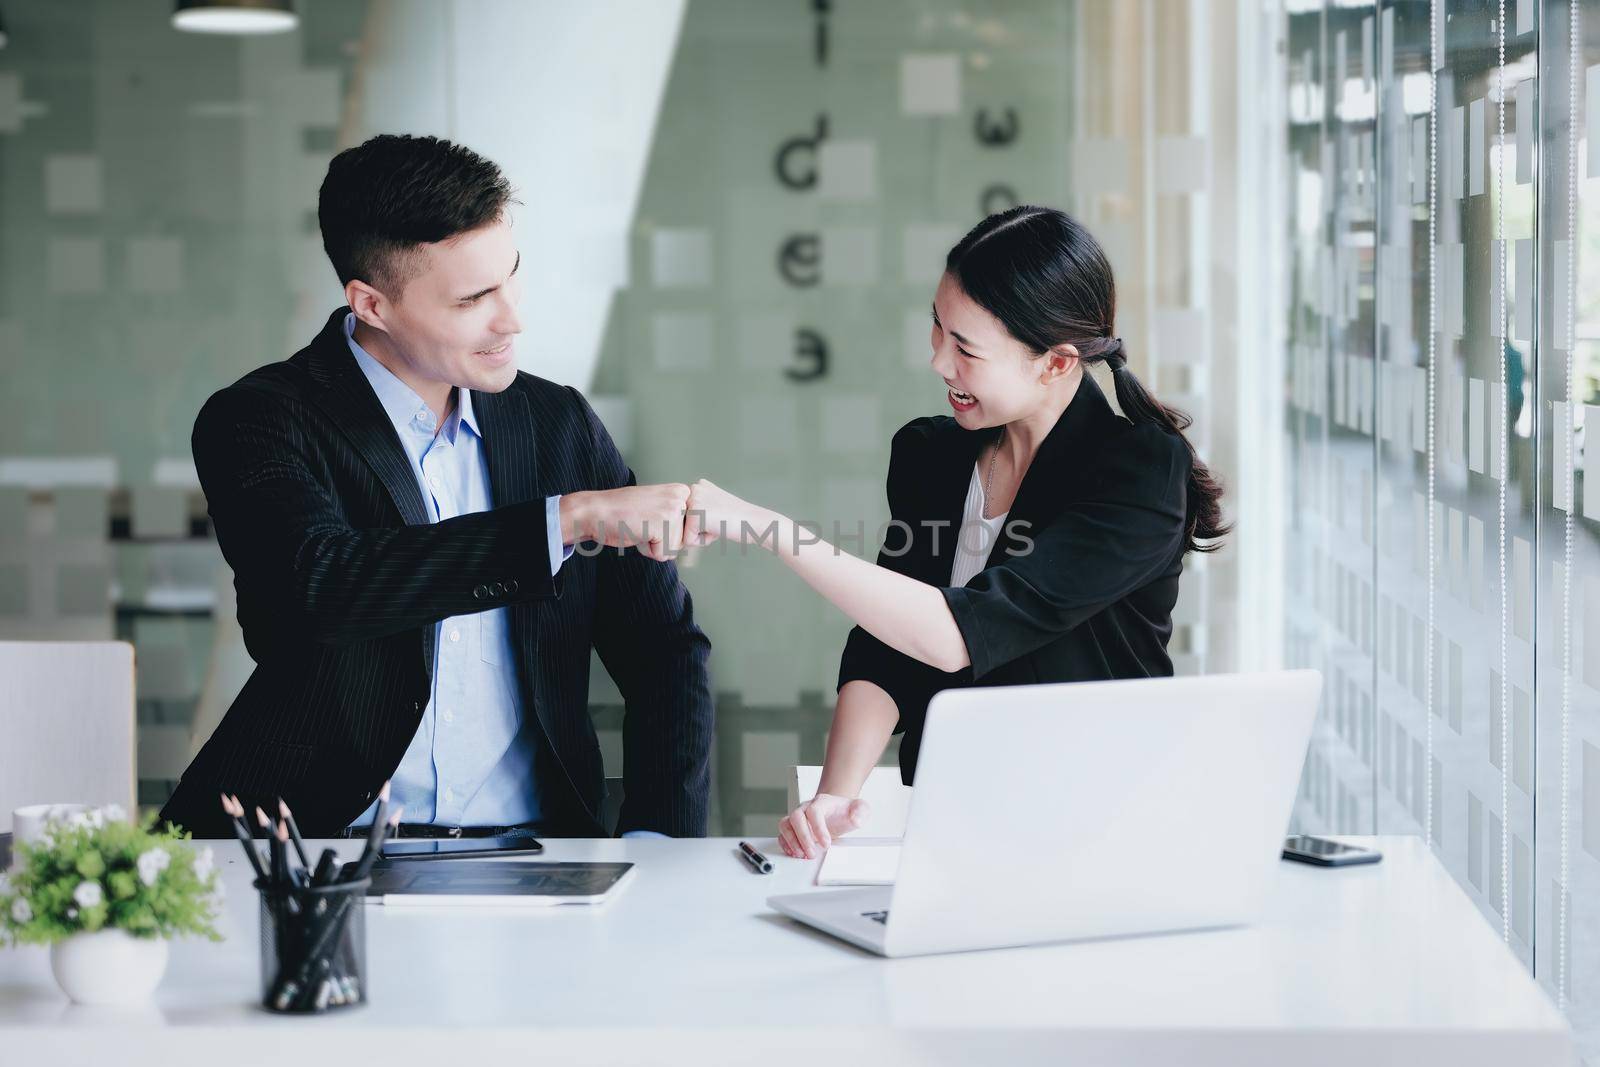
[{"x": 992, "y": 377}]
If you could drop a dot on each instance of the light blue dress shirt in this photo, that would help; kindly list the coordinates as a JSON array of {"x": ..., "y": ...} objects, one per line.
[{"x": 471, "y": 762}]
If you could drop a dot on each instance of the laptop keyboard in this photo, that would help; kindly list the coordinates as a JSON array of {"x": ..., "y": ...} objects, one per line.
[{"x": 877, "y": 916}]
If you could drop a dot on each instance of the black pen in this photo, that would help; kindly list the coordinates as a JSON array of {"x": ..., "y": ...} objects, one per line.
[{"x": 756, "y": 860}]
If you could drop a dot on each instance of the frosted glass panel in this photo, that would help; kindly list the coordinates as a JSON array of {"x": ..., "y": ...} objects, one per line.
[{"x": 1477, "y": 334}]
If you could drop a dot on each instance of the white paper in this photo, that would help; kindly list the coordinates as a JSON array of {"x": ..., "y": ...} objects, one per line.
[{"x": 862, "y": 861}]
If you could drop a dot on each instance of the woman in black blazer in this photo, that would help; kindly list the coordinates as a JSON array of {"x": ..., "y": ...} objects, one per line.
[{"x": 1037, "y": 533}]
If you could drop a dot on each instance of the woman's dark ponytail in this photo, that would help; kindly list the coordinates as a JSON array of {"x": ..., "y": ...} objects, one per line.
[{"x": 1049, "y": 283}]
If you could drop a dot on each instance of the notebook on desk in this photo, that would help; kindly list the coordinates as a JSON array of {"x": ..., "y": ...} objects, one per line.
[
  {"x": 860, "y": 861},
  {"x": 496, "y": 883}
]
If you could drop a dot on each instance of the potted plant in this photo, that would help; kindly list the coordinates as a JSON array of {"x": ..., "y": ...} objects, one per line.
[{"x": 105, "y": 894}]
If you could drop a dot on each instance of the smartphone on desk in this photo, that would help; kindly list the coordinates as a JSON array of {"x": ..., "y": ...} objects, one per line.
[
  {"x": 441, "y": 848},
  {"x": 1321, "y": 852}
]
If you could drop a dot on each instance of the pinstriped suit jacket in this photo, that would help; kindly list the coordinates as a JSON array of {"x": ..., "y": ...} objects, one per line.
[{"x": 340, "y": 578}]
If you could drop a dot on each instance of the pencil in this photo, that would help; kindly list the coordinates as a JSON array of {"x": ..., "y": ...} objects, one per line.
[
  {"x": 294, "y": 833},
  {"x": 235, "y": 811}
]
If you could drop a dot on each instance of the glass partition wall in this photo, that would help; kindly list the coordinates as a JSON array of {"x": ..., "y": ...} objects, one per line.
[
  {"x": 1444, "y": 571},
  {"x": 741, "y": 286}
]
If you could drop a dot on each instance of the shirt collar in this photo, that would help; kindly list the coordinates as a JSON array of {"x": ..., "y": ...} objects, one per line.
[{"x": 400, "y": 402}]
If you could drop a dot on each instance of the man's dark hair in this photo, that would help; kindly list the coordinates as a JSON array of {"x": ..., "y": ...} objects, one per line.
[{"x": 385, "y": 197}]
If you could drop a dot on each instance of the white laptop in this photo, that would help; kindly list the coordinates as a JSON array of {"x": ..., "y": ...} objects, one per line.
[{"x": 1094, "y": 809}]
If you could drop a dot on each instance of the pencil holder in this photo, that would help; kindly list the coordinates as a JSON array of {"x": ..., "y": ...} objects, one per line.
[{"x": 313, "y": 947}]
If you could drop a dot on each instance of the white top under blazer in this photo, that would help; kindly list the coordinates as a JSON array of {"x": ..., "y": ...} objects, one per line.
[{"x": 976, "y": 537}]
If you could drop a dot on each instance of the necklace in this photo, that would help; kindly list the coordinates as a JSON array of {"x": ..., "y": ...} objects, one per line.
[{"x": 989, "y": 481}]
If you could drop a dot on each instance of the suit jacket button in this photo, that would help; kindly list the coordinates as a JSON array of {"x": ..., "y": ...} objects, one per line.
[
  {"x": 497, "y": 589},
  {"x": 511, "y": 586},
  {"x": 480, "y": 592}
]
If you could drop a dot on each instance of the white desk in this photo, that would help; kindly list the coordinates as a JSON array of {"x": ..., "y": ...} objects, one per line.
[{"x": 1385, "y": 964}]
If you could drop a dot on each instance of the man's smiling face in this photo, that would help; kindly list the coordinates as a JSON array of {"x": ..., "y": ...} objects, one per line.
[{"x": 454, "y": 320}]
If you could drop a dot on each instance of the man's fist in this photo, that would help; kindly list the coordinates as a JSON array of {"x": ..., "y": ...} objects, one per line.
[{"x": 649, "y": 517}]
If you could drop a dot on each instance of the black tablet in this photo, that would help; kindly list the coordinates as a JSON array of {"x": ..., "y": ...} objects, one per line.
[{"x": 496, "y": 883}]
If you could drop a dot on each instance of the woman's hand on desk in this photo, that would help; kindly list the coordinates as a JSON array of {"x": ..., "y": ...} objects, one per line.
[{"x": 810, "y": 828}]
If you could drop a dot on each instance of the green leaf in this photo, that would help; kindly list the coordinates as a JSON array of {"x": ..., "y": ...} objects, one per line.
[{"x": 45, "y": 875}]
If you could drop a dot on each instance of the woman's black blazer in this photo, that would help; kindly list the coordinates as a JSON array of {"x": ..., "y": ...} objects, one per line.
[{"x": 1080, "y": 584}]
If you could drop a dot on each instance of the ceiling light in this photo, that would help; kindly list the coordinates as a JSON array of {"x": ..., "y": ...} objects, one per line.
[{"x": 235, "y": 16}]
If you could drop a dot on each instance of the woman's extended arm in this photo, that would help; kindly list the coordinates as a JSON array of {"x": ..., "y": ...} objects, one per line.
[
  {"x": 907, "y": 615},
  {"x": 863, "y": 721}
]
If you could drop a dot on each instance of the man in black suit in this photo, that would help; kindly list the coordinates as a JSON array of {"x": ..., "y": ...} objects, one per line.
[{"x": 427, "y": 542}]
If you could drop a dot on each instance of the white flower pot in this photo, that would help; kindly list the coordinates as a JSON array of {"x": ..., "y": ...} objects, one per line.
[{"x": 108, "y": 967}]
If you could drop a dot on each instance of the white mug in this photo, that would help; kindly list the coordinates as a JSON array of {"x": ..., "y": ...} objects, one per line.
[{"x": 29, "y": 824}]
